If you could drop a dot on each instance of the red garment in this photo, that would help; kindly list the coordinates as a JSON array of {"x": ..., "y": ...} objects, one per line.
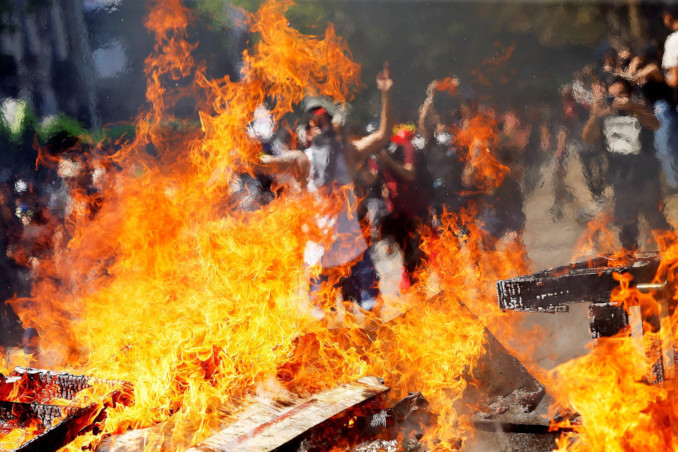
[{"x": 402, "y": 195}]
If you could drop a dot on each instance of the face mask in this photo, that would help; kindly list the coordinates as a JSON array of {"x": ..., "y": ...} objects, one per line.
[{"x": 443, "y": 138}]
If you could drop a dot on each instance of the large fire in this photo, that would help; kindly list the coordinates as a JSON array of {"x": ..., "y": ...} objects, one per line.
[{"x": 167, "y": 284}]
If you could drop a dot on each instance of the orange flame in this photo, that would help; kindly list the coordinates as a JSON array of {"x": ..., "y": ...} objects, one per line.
[
  {"x": 164, "y": 283},
  {"x": 478, "y": 139},
  {"x": 448, "y": 84}
]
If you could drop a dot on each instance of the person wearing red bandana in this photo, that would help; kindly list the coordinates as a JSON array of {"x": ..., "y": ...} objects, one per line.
[{"x": 406, "y": 201}]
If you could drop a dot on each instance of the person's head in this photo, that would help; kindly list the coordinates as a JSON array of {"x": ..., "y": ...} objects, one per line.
[
  {"x": 318, "y": 120},
  {"x": 670, "y": 16},
  {"x": 403, "y": 133},
  {"x": 619, "y": 88}
]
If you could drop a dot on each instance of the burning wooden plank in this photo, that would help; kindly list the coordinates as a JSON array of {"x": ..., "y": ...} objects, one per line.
[
  {"x": 593, "y": 282},
  {"x": 56, "y": 426},
  {"x": 582, "y": 282},
  {"x": 269, "y": 426},
  {"x": 39, "y": 404}
]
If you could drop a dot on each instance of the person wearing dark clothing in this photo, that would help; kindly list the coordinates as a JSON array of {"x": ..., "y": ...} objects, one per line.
[
  {"x": 406, "y": 199},
  {"x": 10, "y": 231},
  {"x": 501, "y": 210},
  {"x": 443, "y": 159},
  {"x": 624, "y": 126}
]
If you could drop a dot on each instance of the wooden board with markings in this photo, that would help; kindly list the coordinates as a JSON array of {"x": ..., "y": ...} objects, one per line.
[{"x": 276, "y": 425}]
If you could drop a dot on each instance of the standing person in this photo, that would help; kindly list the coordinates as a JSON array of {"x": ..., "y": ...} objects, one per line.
[
  {"x": 327, "y": 168},
  {"x": 407, "y": 194},
  {"x": 624, "y": 126},
  {"x": 573, "y": 116},
  {"x": 644, "y": 70},
  {"x": 670, "y": 58},
  {"x": 526, "y": 135},
  {"x": 444, "y": 161}
]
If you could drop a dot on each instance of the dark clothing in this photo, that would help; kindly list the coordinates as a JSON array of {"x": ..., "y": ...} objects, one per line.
[
  {"x": 404, "y": 197},
  {"x": 594, "y": 166},
  {"x": 360, "y": 285},
  {"x": 445, "y": 166},
  {"x": 407, "y": 205},
  {"x": 634, "y": 174},
  {"x": 502, "y": 210},
  {"x": 404, "y": 230},
  {"x": 636, "y": 190},
  {"x": 654, "y": 91}
]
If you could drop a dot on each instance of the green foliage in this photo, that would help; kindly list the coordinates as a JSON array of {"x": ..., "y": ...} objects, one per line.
[
  {"x": 16, "y": 118},
  {"x": 60, "y": 124},
  {"x": 307, "y": 17},
  {"x": 19, "y": 123}
]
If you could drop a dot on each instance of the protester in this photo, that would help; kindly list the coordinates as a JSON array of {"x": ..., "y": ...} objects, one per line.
[
  {"x": 670, "y": 59},
  {"x": 573, "y": 116},
  {"x": 443, "y": 159},
  {"x": 327, "y": 168},
  {"x": 624, "y": 126},
  {"x": 406, "y": 190},
  {"x": 644, "y": 70}
]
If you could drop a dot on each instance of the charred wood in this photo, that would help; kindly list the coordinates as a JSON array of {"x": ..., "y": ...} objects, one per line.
[
  {"x": 26, "y": 400},
  {"x": 606, "y": 320},
  {"x": 588, "y": 282}
]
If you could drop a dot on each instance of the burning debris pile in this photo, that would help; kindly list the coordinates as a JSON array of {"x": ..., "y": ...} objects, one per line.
[
  {"x": 42, "y": 410},
  {"x": 203, "y": 306}
]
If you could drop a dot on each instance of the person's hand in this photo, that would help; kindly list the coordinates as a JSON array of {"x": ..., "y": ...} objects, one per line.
[
  {"x": 600, "y": 106},
  {"x": 599, "y": 91},
  {"x": 382, "y": 155},
  {"x": 634, "y": 65},
  {"x": 384, "y": 82},
  {"x": 623, "y": 104}
]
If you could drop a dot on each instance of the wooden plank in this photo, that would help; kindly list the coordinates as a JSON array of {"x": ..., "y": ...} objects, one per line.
[
  {"x": 272, "y": 425},
  {"x": 606, "y": 320},
  {"x": 588, "y": 282}
]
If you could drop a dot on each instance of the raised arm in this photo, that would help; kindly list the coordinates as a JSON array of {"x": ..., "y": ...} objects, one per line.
[
  {"x": 371, "y": 143},
  {"x": 428, "y": 116},
  {"x": 592, "y": 131}
]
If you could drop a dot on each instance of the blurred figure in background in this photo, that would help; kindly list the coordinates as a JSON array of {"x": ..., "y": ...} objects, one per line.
[
  {"x": 670, "y": 58},
  {"x": 624, "y": 126},
  {"x": 573, "y": 116},
  {"x": 645, "y": 71},
  {"x": 436, "y": 136}
]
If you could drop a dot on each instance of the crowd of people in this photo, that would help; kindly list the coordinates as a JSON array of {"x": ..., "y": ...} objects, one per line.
[{"x": 618, "y": 116}]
